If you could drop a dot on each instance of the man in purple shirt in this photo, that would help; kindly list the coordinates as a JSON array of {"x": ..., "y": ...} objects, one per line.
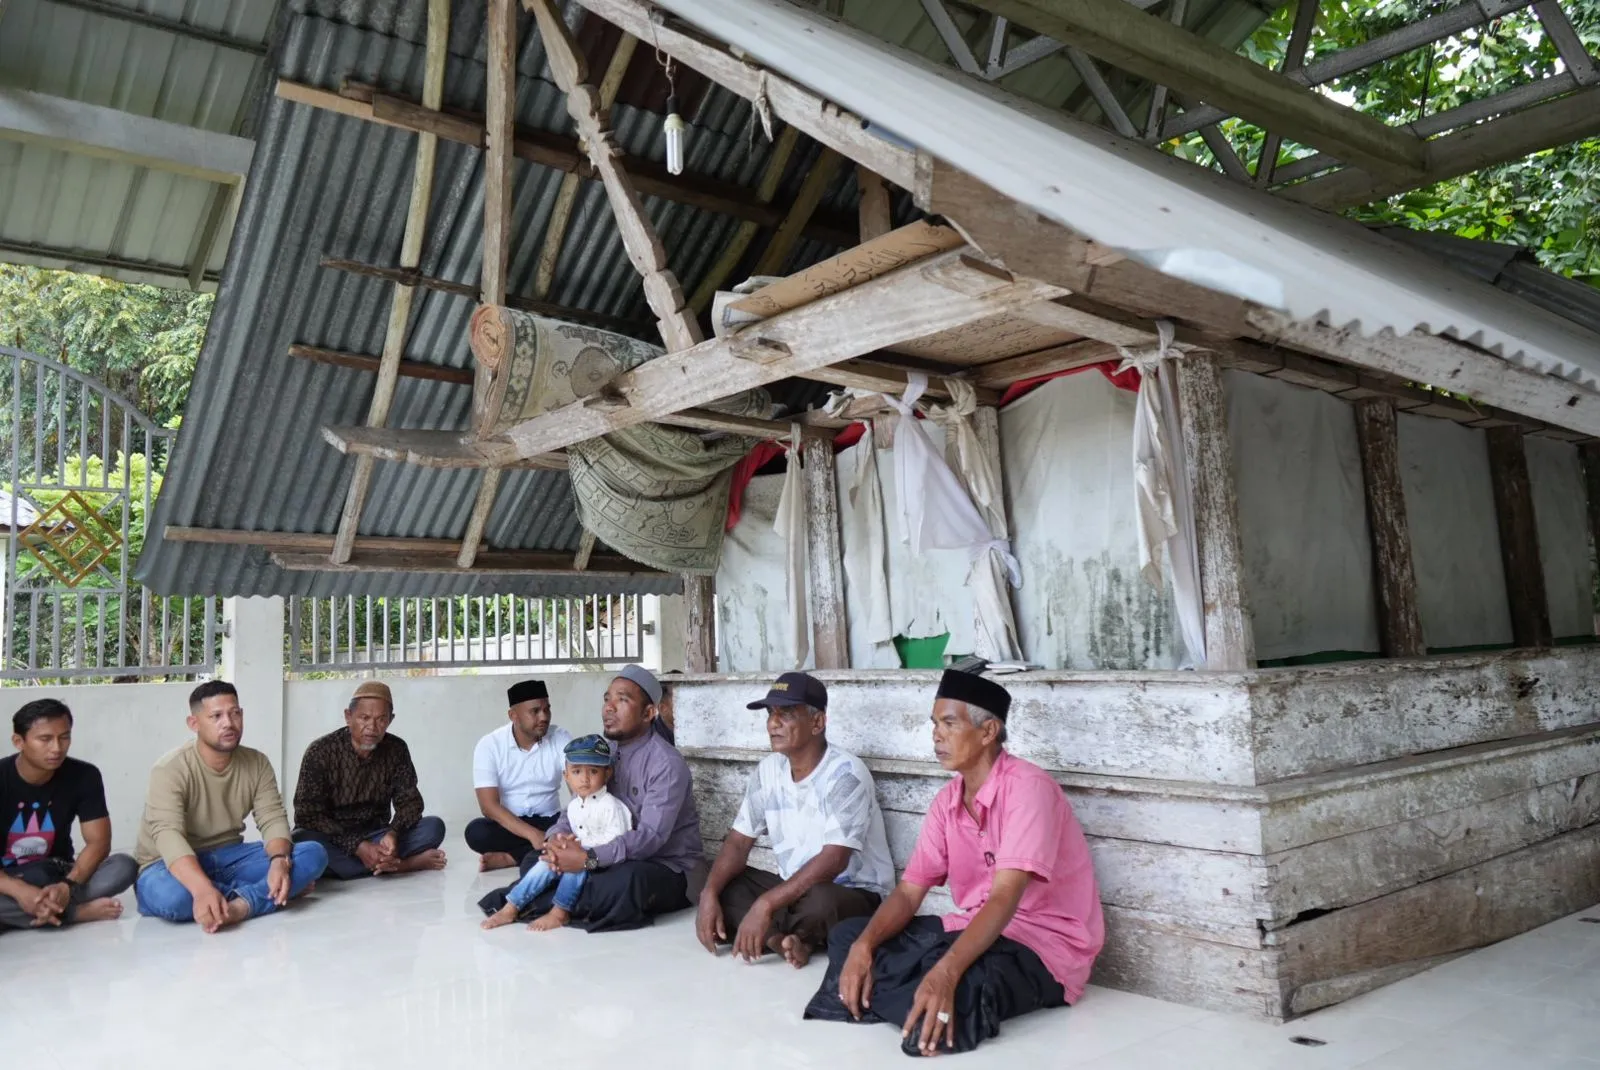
[{"x": 657, "y": 867}]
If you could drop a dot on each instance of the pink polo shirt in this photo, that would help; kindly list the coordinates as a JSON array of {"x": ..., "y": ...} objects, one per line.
[{"x": 1024, "y": 822}]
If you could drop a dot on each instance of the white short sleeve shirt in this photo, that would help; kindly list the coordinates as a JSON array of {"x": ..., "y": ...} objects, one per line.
[
  {"x": 836, "y": 805},
  {"x": 529, "y": 781}
]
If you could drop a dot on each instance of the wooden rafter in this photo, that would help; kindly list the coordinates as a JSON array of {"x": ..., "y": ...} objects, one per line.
[
  {"x": 430, "y": 449},
  {"x": 875, "y": 209},
  {"x": 734, "y": 251},
  {"x": 823, "y": 168},
  {"x": 487, "y": 562},
  {"x": 557, "y": 151},
  {"x": 436, "y": 55},
  {"x": 942, "y": 292}
]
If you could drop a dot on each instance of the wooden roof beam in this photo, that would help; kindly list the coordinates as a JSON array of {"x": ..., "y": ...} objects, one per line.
[
  {"x": 940, "y": 293},
  {"x": 558, "y": 152},
  {"x": 888, "y": 379},
  {"x": 488, "y": 562},
  {"x": 1153, "y": 48},
  {"x": 431, "y": 449}
]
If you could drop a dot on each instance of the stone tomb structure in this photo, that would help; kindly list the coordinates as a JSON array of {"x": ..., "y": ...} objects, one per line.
[{"x": 1270, "y": 841}]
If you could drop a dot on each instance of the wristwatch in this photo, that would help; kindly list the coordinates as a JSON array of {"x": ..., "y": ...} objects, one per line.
[{"x": 590, "y": 862}]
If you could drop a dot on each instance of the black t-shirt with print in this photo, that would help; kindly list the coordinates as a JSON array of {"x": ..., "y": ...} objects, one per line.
[{"x": 37, "y": 818}]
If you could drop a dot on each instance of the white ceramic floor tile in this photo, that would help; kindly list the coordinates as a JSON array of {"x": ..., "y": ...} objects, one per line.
[{"x": 395, "y": 974}]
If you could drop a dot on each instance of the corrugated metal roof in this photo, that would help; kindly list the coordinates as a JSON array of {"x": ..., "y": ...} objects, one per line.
[
  {"x": 250, "y": 455},
  {"x": 1186, "y": 221},
  {"x": 68, "y": 210}
]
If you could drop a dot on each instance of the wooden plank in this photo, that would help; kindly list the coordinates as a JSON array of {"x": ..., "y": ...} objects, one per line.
[
  {"x": 430, "y": 449},
  {"x": 875, "y": 209},
  {"x": 489, "y": 562},
  {"x": 911, "y": 302},
  {"x": 301, "y": 542},
  {"x": 1519, "y": 537},
  {"x": 822, "y": 120},
  {"x": 1399, "y": 620},
  {"x": 830, "y": 639},
  {"x": 436, "y": 56},
  {"x": 1511, "y": 137},
  {"x": 734, "y": 251},
  {"x": 854, "y": 266},
  {"x": 585, "y": 552},
  {"x": 1153, "y": 48},
  {"x": 478, "y": 519},
  {"x": 1230, "y": 644},
  {"x": 700, "y": 623},
  {"x": 1089, "y": 320},
  {"x": 985, "y": 341},
  {"x": 823, "y": 169},
  {"x": 408, "y": 369},
  {"x": 555, "y": 231},
  {"x": 561, "y": 153},
  {"x": 1447, "y": 365},
  {"x": 679, "y": 330},
  {"x": 500, "y": 76},
  {"x": 1002, "y": 373},
  {"x": 413, "y": 277}
]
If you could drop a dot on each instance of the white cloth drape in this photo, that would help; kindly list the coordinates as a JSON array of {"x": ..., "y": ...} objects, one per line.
[
  {"x": 866, "y": 501},
  {"x": 791, "y": 524},
  {"x": 942, "y": 511},
  {"x": 1162, "y": 502}
]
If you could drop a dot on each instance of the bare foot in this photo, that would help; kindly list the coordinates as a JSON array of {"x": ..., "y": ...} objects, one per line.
[
  {"x": 433, "y": 859},
  {"x": 553, "y": 920},
  {"x": 100, "y": 910},
  {"x": 794, "y": 951},
  {"x": 238, "y": 910},
  {"x": 504, "y": 916},
  {"x": 495, "y": 860}
]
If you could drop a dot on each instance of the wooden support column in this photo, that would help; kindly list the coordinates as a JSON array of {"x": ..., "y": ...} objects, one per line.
[
  {"x": 394, "y": 340},
  {"x": 700, "y": 623},
  {"x": 1230, "y": 643},
  {"x": 1519, "y": 537},
  {"x": 1399, "y": 621},
  {"x": 1589, "y": 454},
  {"x": 830, "y": 638}
]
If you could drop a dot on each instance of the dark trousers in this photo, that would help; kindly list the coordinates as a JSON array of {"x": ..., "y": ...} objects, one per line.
[
  {"x": 811, "y": 917},
  {"x": 426, "y": 835},
  {"x": 487, "y": 837},
  {"x": 112, "y": 877},
  {"x": 1007, "y": 980},
  {"x": 627, "y": 895}
]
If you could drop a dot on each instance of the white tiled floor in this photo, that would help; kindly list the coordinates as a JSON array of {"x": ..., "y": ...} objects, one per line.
[{"x": 396, "y": 974}]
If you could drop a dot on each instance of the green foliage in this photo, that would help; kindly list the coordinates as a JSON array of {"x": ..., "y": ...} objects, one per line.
[
  {"x": 141, "y": 341},
  {"x": 1548, "y": 203}
]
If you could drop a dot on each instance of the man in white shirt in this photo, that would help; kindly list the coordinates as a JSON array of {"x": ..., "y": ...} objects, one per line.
[
  {"x": 516, "y": 772},
  {"x": 819, "y": 806}
]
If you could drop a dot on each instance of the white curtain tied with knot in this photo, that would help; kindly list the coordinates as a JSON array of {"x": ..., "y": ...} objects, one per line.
[
  {"x": 1163, "y": 504},
  {"x": 954, "y": 503},
  {"x": 790, "y": 522}
]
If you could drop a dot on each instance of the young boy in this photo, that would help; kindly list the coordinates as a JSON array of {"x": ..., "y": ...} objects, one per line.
[{"x": 596, "y": 817}]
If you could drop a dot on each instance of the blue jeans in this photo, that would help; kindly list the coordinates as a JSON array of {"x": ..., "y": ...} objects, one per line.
[
  {"x": 426, "y": 835},
  {"x": 239, "y": 872},
  {"x": 540, "y": 877}
]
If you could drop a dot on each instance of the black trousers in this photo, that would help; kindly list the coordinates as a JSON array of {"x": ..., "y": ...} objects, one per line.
[
  {"x": 628, "y": 895},
  {"x": 810, "y": 917},
  {"x": 487, "y": 837},
  {"x": 425, "y": 835},
  {"x": 110, "y": 878},
  {"x": 1007, "y": 980}
]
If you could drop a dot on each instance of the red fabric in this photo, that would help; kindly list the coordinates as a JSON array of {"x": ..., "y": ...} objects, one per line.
[
  {"x": 1128, "y": 380},
  {"x": 745, "y": 471}
]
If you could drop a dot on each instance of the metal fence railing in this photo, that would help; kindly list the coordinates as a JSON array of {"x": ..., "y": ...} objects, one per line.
[
  {"x": 80, "y": 468},
  {"x": 355, "y": 633}
]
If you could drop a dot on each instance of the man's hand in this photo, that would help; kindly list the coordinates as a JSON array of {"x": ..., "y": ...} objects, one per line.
[
  {"x": 565, "y": 854},
  {"x": 935, "y": 1004},
  {"x": 855, "y": 980},
  {"x": 369, "y": 855},
  {"x": 750, "y": 943},
  {"x": 33, "y": 903},
  {"x": 53, "y": 903},
  {"x": 708, "y": 926},
  {"x": 388, "y": 856},
  {"x": 535, "y": 838},
  {"x": 278, "y": 874},
  {"x": 210, "y": 910}
]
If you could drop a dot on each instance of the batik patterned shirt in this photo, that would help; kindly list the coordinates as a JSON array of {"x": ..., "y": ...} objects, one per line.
[{"x": 347, "y": 798}]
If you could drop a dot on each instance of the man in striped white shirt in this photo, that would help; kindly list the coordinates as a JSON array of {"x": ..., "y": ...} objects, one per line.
[{"x": 818, "y": 805}]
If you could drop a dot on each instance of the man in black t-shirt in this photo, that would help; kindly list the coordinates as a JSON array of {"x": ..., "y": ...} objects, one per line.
[{"x": 42, "y": 792}]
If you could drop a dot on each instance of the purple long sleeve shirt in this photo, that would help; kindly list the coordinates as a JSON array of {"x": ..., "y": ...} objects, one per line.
[{"x": 653, "y": 781}]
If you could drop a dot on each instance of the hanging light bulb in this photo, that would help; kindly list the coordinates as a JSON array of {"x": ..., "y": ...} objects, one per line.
[{"x": 675, "y": 127}]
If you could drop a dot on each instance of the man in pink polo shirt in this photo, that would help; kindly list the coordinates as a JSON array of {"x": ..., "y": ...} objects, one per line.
[{"x": 1027, "y": 925}]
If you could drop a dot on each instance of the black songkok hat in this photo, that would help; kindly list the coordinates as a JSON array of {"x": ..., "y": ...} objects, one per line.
[
  {"x": 526, "y": 691},
  {"x": 970, "y": 687}
]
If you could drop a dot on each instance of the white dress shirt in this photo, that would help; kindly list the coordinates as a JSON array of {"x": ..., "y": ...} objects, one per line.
[
  {"x": 529, "y": 781},
  {"x": 599, "y": 819}
]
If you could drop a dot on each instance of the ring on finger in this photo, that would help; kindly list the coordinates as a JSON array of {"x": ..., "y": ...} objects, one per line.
[{"x": 944, "y": 1017}]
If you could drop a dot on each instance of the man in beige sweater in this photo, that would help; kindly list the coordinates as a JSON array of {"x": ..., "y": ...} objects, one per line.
[{"x": 194, "y": 863}]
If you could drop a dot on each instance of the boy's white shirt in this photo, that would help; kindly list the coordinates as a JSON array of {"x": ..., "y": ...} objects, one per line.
[{"x": 600, "y": 818}]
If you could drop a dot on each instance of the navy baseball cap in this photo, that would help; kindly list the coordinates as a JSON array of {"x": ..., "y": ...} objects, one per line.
[
  {"x": 589, "y": 750},
  {"x": 794, "y": 689}
]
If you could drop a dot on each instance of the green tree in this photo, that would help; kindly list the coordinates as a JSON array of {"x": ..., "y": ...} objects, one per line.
[
  {"x": 141, "y": 341},
  {"x": 1548, "y": 202}
]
